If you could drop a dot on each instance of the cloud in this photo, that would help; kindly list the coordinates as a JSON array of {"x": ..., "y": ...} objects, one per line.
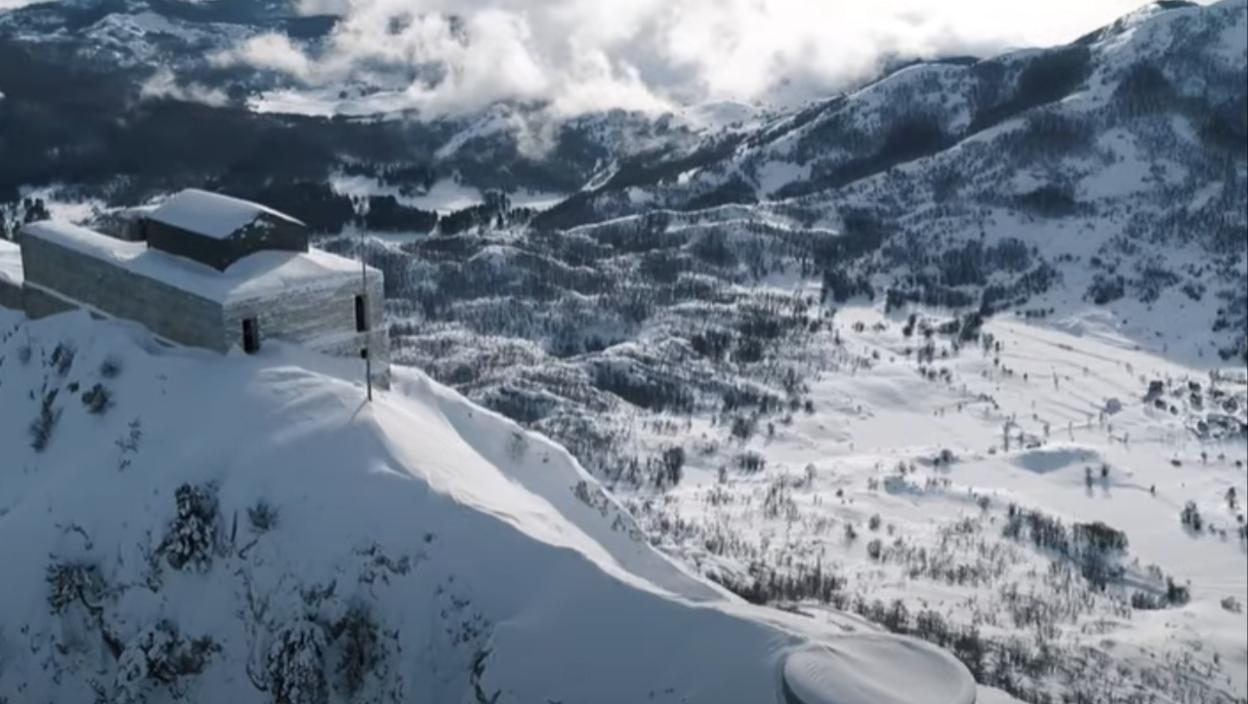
[
  {"x": 576, "y": 56},
  {"x": 163, "y": 84},
  {"x": 275, "y": 52}
]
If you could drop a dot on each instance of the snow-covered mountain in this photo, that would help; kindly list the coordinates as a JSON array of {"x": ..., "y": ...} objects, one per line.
[
  {"x": 91, "y": 85},
  {"x": 959, "y": 353},
  {"x": 1111, "y": 170},
  {"x": 1118, "y": 162},
  {"x": 183, "y": 526}
]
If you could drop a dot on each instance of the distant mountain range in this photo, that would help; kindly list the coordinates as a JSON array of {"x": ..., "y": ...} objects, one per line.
[
  {"x": 1114, "y": 165},
  {"x": 725, "y": 291}
]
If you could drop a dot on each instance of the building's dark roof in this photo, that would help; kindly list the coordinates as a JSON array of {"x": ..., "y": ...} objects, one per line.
[{"x": 212, "y": 215}]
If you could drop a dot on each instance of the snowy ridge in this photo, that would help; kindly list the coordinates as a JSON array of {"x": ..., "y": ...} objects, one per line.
[
  {"x": 1115, "y": 161},
  {"x": 966, "y": 100},
  {"x": 456, "y": 554}
]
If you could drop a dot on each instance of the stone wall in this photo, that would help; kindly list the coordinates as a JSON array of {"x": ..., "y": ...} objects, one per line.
[
  {"x": 169, "y": 312},
  {"x": 40, "y": 304},
  {"x": 320, "y": 318},
  {"x": 10, "y": 295}
]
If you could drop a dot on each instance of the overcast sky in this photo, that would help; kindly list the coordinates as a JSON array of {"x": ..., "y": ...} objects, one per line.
[{"x": 651, "y": 54}]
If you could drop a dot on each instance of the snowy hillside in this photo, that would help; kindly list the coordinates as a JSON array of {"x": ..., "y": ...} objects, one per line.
[
  {"x": 182, "y": 525},
  {"x": 958, "y": 354},
  {"x": 1022, "y": 490},
  {"x": 1114, "y": 167},
  {"x": 1073, "y": 502}
]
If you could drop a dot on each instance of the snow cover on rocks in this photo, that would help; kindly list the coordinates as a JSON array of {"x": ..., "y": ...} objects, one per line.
[{"x": 299, "y": 535}]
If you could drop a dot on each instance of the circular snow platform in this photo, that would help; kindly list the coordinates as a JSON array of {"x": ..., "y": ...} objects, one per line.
[{"x": 875, "y": 669}]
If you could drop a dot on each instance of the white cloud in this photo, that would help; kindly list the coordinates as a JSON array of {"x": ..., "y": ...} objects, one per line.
[
  {"x": 163, "y": 84},
  {"x": 275, "y": 52},
  {"x": 448, "y": 56}
]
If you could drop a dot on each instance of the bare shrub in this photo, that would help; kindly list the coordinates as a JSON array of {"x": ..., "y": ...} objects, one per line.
[{"x": 98, "y": 399}]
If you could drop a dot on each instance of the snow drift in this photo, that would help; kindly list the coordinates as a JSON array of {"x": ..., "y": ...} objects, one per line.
[{"x": 176, "y": 524}]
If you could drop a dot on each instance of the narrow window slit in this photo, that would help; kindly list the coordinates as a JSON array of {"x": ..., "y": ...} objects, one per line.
[
  {"x": 361, "y": 314},
  {"x": 251, "y": 336}
]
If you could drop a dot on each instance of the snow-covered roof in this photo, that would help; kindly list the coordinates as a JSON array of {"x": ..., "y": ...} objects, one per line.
[
  {"x": 10, "y": 263},
  {"x": 211, "y": 214},
  {"x": 252, "y": 276}
]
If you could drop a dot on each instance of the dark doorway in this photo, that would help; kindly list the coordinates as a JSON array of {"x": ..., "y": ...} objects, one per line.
[
  {"x": 361, "y": 314},
  {"x": 251, "y": 336}
]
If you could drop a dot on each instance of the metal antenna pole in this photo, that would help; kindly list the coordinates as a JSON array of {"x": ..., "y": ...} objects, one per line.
[{"x": 368, "y": 324}]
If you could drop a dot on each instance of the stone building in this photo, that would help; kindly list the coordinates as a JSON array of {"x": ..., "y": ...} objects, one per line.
[
  {"x": 212, "y": 272},
  {"x": 218, "y": 230}
]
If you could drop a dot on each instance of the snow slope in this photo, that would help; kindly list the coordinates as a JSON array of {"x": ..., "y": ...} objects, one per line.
[
  {"x": 910, "y": 457},
  {"x": 1117, "y": 161},
  {"x": 249, "y": 529}
]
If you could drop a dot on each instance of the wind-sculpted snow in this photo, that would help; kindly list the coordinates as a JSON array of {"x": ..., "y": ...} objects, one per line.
[
  {"x": 183, "y": 525},
  {"x": 820, "y": 675}
]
